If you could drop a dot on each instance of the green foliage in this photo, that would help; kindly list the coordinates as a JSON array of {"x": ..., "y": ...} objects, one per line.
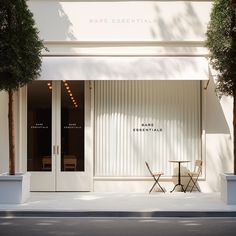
[
  {"x": 20, "y": 46},
  {"x": 221, "y": 41}
]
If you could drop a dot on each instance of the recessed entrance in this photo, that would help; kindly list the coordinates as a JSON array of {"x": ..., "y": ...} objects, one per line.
[{"x": 56, "y": 136}]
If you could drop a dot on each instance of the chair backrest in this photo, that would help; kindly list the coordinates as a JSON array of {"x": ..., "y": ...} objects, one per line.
[
  {"x": 70, "y": 160},
  {"x": 198, "y": 166},
  {"x": 46, "y": 160},
  {"x": 148, "y": 168},
  {"x": 46, "y": 163},
  {"x": 69, "y": 157}
]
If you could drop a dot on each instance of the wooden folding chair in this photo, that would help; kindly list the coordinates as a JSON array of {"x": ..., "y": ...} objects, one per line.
[
  {"x": 156, "y": 177},
  {"x": 70, "y": 162},
  {"x": 46, "y": 163},
  {"x": 194, "y": 176}
]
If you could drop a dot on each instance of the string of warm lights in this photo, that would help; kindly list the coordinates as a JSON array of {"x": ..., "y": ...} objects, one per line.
[
  {"x": 49, "y": 85},
  {"x": 70, "y": 93}
]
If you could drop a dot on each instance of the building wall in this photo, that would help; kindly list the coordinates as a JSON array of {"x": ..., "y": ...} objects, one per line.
[
  {"x": 121, "y": 20},
  {"x": 219, "y": 133},
  {"x": 122, "y": 27},
  {"x": 153, "y": 121},
  {"x": 141, "y": 28}
]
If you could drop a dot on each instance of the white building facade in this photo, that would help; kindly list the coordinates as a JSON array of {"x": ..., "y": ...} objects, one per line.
[{"x": 122, "y": 82}]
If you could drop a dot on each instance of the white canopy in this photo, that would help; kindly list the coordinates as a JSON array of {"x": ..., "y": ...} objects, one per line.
[{"x": 124, "y": 68}]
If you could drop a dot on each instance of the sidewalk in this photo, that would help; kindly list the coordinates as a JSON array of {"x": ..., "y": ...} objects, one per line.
[{"x": 120, "y": 204}]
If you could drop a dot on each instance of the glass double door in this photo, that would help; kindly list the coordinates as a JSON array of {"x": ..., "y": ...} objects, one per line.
[{"x": 56, "y": 136}]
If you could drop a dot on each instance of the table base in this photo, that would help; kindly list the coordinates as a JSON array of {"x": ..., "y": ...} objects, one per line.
[{"x": 182, "y": 187}]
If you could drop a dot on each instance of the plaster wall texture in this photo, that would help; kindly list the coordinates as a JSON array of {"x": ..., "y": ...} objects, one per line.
[{"x": 121, "y": 20}]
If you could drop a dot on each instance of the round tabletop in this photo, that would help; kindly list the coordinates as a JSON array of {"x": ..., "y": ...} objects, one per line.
[{"x": 179, "y": 161}]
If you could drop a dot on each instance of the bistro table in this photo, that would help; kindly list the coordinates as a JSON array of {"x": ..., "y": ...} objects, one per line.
[{"x": 179, "y": 174}]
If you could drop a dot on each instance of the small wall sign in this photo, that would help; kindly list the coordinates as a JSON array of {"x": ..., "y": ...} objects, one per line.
[
  {"x": 147, "y": 127},
  {"x": 125, "y": 20},
  {"x": 39, "y": 126},
  {"x": 72, "y": 126}
]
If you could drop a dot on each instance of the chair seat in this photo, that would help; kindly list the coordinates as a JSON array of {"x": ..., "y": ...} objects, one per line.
[
  {"x": 158, "y": 173},
  {"x": 193, "y": 174}
]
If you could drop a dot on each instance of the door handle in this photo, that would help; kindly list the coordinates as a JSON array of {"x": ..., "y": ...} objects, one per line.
[{"x": 55, "y": 149}]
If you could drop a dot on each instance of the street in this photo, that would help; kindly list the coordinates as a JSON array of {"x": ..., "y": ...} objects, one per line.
[{"x": 117, "y": 226}]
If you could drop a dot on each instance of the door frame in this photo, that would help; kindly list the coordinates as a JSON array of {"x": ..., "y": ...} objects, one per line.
[{"x": 88, "y": 148}]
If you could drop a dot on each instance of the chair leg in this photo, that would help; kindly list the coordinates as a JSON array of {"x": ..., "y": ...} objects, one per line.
[
  {"x": 159, "y": 184},
  {"x": 156, "y": 182},
  {"x": 152, "y": 187},
  {"x": 188, "y": 183},
  {"x": 161, "y": 188},
  {"x": 195, "y": 185}
]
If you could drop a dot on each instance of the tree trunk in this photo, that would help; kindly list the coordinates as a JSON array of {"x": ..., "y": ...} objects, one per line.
[
  {"x": 11, "y": 134},
  {"x": 234, "y": 127}
]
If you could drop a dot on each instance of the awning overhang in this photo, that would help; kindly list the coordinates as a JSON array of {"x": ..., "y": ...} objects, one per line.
[{"x": 124, "y": 68}]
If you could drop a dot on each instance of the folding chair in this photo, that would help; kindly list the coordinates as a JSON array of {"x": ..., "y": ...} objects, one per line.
[
  {"x": 70, "y": 162},
  {"x": 156, "y": 177},
  {"x": 195, "y": 175},
  {"x": 46, "y": 163}
]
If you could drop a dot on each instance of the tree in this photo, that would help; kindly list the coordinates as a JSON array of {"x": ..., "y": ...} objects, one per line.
[
  {"x": 221, "y": 42},
  {"x": 20, "y": 56}
]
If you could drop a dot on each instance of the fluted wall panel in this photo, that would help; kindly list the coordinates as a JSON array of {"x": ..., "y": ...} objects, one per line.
[{"x": 138, "y": 121}]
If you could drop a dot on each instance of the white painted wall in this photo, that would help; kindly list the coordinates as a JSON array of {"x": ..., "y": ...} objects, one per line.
[
  {"x": 153, "y": 121},
  {"x": 122, "y": 28},
  {"x": 121, "y": 20},
  {"x": 219, "y": 127}
]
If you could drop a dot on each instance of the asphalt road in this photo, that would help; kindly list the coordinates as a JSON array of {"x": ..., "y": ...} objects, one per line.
[{"x": 117, "y": 226}]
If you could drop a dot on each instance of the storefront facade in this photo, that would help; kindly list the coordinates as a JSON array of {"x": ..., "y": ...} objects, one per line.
[{"x": 123, "y": 82}]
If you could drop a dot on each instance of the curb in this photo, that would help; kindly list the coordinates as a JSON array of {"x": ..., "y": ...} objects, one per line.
[{"x": 120, "y": 214}]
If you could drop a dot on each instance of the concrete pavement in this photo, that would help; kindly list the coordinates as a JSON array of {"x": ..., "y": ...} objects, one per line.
[{"x": 120, "y": 205}]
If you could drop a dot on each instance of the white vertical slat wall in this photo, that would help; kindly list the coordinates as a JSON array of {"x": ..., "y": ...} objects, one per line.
[{"x": 138, "y": 121}]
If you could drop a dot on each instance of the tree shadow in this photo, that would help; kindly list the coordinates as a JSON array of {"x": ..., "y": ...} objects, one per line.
[
  {"x": 58, "y": 27},
  {"x": 218, "y": 137},
  {"x": 180, "y": 26},
  {"x": 184, "y": 26}
]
